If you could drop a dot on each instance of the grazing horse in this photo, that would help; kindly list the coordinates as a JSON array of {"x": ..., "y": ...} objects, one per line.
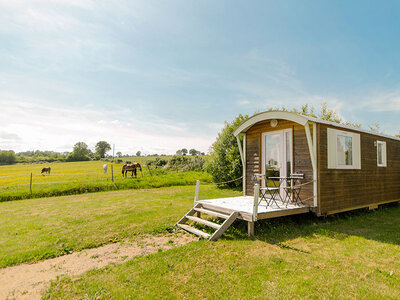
[
  {"x": 131, "y": 168},
  {"x": 46, "y": 170},
  {"x": 105, "y": 168}
]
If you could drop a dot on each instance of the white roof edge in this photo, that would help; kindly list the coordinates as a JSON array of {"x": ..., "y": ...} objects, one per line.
[
  {"x": 302, "y": 120},
  {"x": 268, "y": 115}
]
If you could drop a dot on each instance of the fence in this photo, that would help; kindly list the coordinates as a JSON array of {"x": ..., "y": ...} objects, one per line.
[{"x": 27, "y": 184}]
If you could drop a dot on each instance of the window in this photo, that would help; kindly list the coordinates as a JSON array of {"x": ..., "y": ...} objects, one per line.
[
  {"x": 381, "y": 153},
  {"x": 344, "y": 150}
]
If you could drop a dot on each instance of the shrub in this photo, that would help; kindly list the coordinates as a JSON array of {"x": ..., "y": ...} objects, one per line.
[
  {"x": 157, "y": 163},
  {"x": 225, "y": 163},
  {"x": 7, "y": 157},
  {"x": 185, "y": 163}
]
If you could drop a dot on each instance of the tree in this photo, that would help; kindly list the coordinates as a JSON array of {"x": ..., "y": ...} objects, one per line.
[
  {"x": 119, "y": 154},
  {"x": 138, "y": 153},
  {"x": 376, "y": 127},
  {"x": 194, "y": 152},
  {"x": 102, "y": 148},
  {"x": 225, "y": 163},
  {"x": 7, "y": 157},
  {"x": 80, "y": 152},
  {"x": 325, "y": 113},
  {"x": 182, "y": 151}
]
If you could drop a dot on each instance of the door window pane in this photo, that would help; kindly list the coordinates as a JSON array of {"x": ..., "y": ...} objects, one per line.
[
  {"x": 288, "y": 137},
  {"x": 344, "y": 150},
  {"x": 272, "y": 155}
]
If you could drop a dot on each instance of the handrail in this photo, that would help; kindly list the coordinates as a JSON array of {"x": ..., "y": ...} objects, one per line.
[{"x": 255, "y": 201}]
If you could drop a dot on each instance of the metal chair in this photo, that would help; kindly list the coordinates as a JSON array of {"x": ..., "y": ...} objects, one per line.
[
  {"x": 292, "y": 189},
  {"x": 272, "y": 192}
]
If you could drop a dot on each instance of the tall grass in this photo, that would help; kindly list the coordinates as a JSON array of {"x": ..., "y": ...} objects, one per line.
[
  {"x": 157, "y": 180},
  {"x": 84, "y": 177}
]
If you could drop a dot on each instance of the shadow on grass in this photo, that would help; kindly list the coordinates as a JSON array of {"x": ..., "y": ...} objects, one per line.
[{"x": 382, "y": 225}]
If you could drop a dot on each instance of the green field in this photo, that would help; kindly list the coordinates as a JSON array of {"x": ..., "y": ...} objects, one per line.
[
  {"x": 36, "y": 229},
  {"x": 68, "y": 178},
  {"x": 351, "y": 255}
]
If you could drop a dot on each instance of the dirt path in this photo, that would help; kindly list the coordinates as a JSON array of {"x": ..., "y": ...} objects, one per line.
[{"x": 29, "y": 281}]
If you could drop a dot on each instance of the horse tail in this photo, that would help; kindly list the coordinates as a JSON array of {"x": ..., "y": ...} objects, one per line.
[{"x": 49, "y": 170}]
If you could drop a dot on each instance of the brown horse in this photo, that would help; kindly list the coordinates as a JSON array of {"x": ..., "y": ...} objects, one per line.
[
  {"x": 131, "y": 168},
  {"x": 46, "y": 170}
]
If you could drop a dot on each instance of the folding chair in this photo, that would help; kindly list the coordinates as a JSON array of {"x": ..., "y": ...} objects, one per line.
[
  {"x": 273, "y": 192},
  {"x": 293, "y": 189}
]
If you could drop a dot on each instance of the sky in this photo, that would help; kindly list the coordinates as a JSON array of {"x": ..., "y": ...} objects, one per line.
[{"x": 157, "y": 76}]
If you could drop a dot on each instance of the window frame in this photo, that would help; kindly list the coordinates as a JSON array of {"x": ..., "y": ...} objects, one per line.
[
  {"x": 384, "y": 154},
  {"x": 332, "y": 149},
  {"x": 345, "y": 134}
]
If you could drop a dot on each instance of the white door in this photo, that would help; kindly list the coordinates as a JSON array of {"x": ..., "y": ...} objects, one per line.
[{"x": 277, "y": 154}]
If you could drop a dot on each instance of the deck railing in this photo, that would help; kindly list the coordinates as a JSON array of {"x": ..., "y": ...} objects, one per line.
[{"x": 255, "y": 201}]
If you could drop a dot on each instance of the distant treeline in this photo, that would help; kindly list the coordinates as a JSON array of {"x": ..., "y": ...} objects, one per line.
[
  {"x": 81, "y": 152},
  {"x": 10, "y": 157}
]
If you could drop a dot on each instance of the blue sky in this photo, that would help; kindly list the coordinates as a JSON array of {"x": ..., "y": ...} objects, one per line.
[{"x": 157, "y": 76}]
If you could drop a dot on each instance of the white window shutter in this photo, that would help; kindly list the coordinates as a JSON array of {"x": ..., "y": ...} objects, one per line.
[
  {"x": 384, "y": 155},
  {"x": 331, "y": 140},
  {"x": 356, "y": 151}
]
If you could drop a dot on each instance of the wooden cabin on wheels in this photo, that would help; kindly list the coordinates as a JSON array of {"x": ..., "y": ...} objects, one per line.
[{"x": 295, "y": 164}]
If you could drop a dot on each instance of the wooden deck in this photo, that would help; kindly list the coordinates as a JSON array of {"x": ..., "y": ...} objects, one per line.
[
  {"x": 246, "y": 208},
  {"x": 243, "y": 205}
]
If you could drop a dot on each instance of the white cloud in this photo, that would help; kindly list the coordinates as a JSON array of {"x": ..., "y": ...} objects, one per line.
[
  {"x": 27, "y": 125},
  {"x": 383, "y": 102},
  {"x": 6, "y": 136},
  {"x": 243, "y": 102}
]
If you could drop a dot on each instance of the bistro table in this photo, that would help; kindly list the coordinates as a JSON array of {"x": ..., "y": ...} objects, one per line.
[{"x": 292, "y": 188}]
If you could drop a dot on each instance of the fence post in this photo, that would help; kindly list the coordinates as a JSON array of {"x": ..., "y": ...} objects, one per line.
[
  {"x": 30, "y": 185},
  {"x": 112, "y": 173},
  {"x": 196, "y": 194}
]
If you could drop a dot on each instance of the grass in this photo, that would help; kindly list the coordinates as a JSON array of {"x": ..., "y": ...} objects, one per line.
[
  {"x": 82, "y": 177},
  {"x": 36, "y": 229},
  {"x": 353, "y": 255}
]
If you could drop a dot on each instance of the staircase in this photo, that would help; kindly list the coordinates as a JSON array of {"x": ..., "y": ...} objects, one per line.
[{"x": 219, "y": 229}]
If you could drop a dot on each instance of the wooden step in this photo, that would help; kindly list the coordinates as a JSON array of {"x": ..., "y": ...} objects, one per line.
[
  {"x": 228, "y": 222},
  {"x": 194, "y": 230},
  {"x": 205, "y": 222},
  {"x": 190, "y": 213},
  {"x": 212, "y": 212}
]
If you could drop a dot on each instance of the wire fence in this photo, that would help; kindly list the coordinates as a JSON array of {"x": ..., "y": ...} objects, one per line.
[
  {"x": 22, "y": 185},
  {"x": 26, "y": 180}
]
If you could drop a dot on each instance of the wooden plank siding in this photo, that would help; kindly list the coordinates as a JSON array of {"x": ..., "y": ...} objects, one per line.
[
  {"x": 301, "y": 154},
  {"x": 344, "y": 189}
]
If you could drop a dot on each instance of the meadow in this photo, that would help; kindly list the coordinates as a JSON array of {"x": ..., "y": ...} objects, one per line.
[
  {"x": 349, "y": 255},
  {"x": 68, "y": 178},
  {"x": 36, "y": 229}
]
